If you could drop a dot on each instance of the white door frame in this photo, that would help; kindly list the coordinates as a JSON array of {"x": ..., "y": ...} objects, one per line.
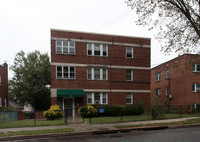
[{"x": 73, "y": 104}]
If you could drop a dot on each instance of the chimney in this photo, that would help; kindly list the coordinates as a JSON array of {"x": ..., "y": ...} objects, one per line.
[{"x": 5, "y": 64}]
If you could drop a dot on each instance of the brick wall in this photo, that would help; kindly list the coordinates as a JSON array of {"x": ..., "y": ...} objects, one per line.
[
  {"x": 116, "y": 57},
  {"x": 4, "y": 84},
  {"x": 180, "y": 81}
]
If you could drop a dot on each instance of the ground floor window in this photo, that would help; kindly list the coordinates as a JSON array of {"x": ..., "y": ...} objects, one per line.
[
  {"x": 129, "y": 98},
  {"x": 97, "y": 98}
]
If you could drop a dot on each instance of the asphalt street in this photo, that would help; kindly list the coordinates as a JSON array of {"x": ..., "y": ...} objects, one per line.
[{"x": 167, "y": 135}]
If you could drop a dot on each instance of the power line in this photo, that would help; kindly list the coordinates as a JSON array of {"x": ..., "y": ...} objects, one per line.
[{"x": 114, "y": 20}]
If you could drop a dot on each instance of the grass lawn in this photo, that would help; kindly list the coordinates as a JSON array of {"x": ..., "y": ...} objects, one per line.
[
  {"x": 115, "y": 119},
  {"x": 30, "y": 123},
  {"x": 191, "y": 121},
  {"x": 37, "y": 132},
  {"x": 96, "y": 120}
]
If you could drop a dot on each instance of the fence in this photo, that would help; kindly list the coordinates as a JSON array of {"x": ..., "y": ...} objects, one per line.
[
  {"x": 148, "y": 113},
  {"x": 122, "y": 115}
]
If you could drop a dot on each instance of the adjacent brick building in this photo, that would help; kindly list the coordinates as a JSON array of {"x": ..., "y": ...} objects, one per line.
[
  {"x": 90, "y": 68},
  {"x": 3, "y": 86},
  {"x": 177, "y": 82}
]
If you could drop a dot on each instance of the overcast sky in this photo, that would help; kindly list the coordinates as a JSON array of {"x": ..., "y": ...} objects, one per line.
[{"x": 25, "y": 24}]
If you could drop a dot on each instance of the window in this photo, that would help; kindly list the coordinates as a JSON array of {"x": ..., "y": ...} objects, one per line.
[
  {"x": 104, "y": 98},
  {"x": 129, "y": 52},
  {"x": 95, "y": 49},
  {"x": 5, "y": 102},
  {"x": 89, "y": 98},
  {"x": 167, "y": 73},
  {"x": 129, "y": 98},
  {"x": 97, "y": 74},
  {"x": 129, "y": 75},
  {"x": 167, "y": 91},
  {"x": 65, "y": 47},
  {"x": 196, "y": 68},
  {"x": 97, "y": 98},
  {"x": 196, "y": 88},
  {"x": 158, "y": 92},
  {"x": 0, "y": 102},
  {"x": 65, "y": 72},
  {"x": 158, "y": 76},
  {"x": 0, "y": 80}
]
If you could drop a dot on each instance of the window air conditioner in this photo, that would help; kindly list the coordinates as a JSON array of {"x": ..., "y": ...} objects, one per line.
[{"x": 97, "y": 102}]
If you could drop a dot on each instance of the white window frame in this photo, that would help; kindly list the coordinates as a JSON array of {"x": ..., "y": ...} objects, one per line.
[
  {"x": 158, "y": 92},
  {"x": 91, "y": 95},
  {"x": 69, "y": 77},
  {"x": 194, "y": 68},
  {"x": 130, "y": 52},
  {"x": 68, "y": 47},
  {"x": 131, "y": 94},
  {"x": 167, "y": 73},
  {"x": 195, "y": 88},
  {"x": 131, "y": 75},
  {"x": 93, "y": 73},
  {"x": 92, "y": 45},
  {"x": 158, "y": 76},
  {"x": 0, "y": 102}
]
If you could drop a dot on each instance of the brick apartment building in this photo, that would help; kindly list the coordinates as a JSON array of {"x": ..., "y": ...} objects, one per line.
[
  {"x": 90, "y": 68},
  {"x": 177, "y": 82},
  {"x": 3, "y": 86}
]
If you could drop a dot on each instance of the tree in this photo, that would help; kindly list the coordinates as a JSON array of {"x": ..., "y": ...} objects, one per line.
[
  {"x": 31, "y": 80},
  {"x": 178, "y": 22}
]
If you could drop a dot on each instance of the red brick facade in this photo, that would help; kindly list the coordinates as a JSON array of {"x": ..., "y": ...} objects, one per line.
[
  {"x": 4, "y": 86},
  {"x": 116, "y": 86},
  {"x": 180, "y": 82}
]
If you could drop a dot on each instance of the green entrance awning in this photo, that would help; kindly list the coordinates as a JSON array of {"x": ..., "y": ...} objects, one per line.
[{"x": 70, "y": 93}]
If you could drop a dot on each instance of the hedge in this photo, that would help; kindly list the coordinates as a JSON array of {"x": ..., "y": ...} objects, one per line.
[{"x": 114, "y": 110}]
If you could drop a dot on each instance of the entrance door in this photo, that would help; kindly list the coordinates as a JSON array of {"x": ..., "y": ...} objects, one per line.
[{"x": 68, "y": 106}]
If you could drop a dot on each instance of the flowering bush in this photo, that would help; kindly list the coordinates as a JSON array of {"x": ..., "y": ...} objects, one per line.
[
  {"x": 87, "y": 111},
  {"x": 53, "y": 113}
]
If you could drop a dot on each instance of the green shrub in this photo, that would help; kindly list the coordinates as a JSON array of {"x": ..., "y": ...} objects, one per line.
[
  {"x": 53, "y": 113},
  {"x": 156, "y": 110},
  {"x": 87, "y": 111}
]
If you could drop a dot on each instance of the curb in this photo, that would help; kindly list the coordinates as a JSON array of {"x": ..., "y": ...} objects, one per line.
[{"x": 95, "y": 132}]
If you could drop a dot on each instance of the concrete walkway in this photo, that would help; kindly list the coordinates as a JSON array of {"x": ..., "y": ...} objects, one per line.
[{"x": 84, "y": 127}]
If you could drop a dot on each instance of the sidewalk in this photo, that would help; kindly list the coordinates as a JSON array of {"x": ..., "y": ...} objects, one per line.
[{"x": 84, "y": 127}]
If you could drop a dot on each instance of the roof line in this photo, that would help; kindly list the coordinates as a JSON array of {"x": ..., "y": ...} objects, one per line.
[{"x": 98, "y": 33}]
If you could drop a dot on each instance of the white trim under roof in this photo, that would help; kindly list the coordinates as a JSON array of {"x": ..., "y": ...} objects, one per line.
[
  {"x": 117, "y": 90},
  {"x": 53, "y": 91},
  {"x": 97, "y": 65}
]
